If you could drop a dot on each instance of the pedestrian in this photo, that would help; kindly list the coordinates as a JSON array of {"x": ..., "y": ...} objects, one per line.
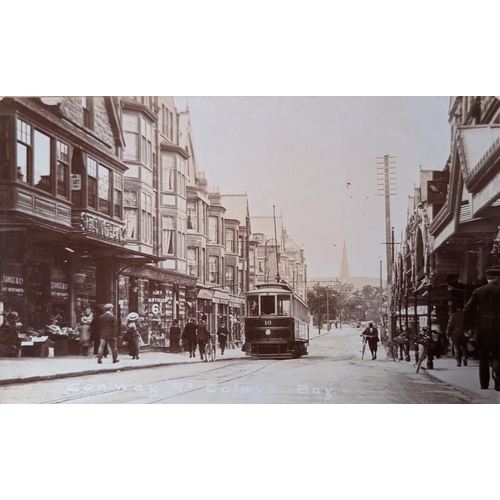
[
  {"x": 190, "y": 337},
  {"x": 95, "y": 332},
  {"x": 371, "y": 334},
  {"x": 85, "y": 329},
  {"x": 202, "y": 334},
  {"x": 109, "y": 332},
  {"x": 455, "y": 334},
  {"x": 133, "y": 335},
  {"x": 482, "y": 313},
  {"x": 175, "y": 334},
  {"x": 222, "y": 335}
]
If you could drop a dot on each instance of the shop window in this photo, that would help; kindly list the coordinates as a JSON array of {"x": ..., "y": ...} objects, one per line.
[{"x": 62, "y": 168}]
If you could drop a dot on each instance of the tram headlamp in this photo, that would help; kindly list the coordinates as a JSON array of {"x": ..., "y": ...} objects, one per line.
[{"x": 268, "y": 332}]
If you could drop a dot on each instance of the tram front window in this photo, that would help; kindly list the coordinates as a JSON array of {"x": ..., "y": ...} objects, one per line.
[
  {"x": 267, "y": 305},
  {"x": 253, "y": 307},
  {"x": 284, "y": 305}
]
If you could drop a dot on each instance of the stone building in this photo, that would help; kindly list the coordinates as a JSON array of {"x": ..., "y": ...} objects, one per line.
[{"x": 452, "y": 233}]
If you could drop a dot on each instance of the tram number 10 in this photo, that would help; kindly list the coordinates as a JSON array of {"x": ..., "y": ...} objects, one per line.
[
  {"x": 268, "y": 322},
  {"x": 156, "y": 308}
]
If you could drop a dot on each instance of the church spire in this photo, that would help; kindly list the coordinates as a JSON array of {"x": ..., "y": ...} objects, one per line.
[{"x": 344, "y": 277}]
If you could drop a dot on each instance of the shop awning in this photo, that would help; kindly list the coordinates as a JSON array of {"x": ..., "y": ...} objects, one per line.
[
  {"x": 221, "y": 297},
  {"x": 479, "y": 148},
  {"x": 205, "y": 294}
]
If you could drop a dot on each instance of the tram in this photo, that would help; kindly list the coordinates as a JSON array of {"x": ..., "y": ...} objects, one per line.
[{"x": 276, "y": 322}]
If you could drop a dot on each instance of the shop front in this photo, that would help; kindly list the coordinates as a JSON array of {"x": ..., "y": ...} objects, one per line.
[{"x": 159, "y": 297}]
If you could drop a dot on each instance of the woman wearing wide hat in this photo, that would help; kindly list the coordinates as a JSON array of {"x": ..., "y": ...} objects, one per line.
[{"x": 133, "y": 336}]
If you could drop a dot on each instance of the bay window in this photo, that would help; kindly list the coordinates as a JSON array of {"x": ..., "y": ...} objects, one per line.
[
  {"x": 104, "y": 190},
  {"x": 92, "y": 183},
  {"x": 62, "y": 152},
  {"x": 131, "y": 134},
  {"x": 213, "y": 229},
  {"x": 213, "y": 269},
  {"x": 168, "y": 235},
  {"x": 230, "y": 240}
]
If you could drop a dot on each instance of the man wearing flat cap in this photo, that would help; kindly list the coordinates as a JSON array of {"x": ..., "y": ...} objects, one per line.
[
  {"x": 109, "y": 332},
  {"x": 482, "y": 312}
]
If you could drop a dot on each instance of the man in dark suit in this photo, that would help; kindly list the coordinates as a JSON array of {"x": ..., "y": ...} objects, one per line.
[
  {"x": 202, "y": 334},
  {"x": 190, "y": 336},
  {"x": 109, "y": 332},
  {"x": 482, "y": 311},
  {"x": 222, "y": 334}
]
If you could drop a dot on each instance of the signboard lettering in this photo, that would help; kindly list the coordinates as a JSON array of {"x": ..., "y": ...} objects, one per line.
[{"x": 103, "y": 228}]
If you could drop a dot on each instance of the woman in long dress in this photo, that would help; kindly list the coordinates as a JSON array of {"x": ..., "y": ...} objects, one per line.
[
  {"x": 133, "y": 335},
  {"x": 85, "y": 330}
]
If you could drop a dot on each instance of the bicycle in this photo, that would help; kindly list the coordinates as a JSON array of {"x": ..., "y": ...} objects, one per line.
[
  {"x": 391, "y": 350},
  {"x": 363, "y": 348},
  {"x": 425, "y": 344},
  {"x": 210, "y": 349}
]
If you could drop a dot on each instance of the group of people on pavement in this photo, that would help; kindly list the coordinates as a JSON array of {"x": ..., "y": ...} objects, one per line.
[
  {"x": 99, "y": 329},
  {"x": 196, "y": 334},
  {"x": 480, "y": 317}
]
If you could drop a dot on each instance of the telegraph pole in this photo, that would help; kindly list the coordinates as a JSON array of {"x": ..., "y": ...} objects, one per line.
[{"x": 386, "y": 186}]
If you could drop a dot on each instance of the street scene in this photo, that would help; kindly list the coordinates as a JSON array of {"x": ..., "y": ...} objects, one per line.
[
  {"x": 200, "y": 250},
  {"x": 332, "y": 373}
]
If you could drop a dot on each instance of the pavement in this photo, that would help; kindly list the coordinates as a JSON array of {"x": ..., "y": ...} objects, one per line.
[{"x": 25, "y": 370}]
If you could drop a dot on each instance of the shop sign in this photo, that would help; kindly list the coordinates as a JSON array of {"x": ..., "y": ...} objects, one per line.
[
  {"x": 156, "y": 303},
  {"x": 59, "y": 289},
  {"x": 13, "y": 281},
  {"x": 76, "y": 182},
  {"x": 208, "y": 309},
  {"x": 437, "y": 192},
  {"x": 102, "y": 228}
]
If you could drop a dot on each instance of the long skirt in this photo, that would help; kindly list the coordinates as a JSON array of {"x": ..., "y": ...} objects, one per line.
[
  {"x": 133, "y": 346},
  {"x": 372, "y": 343},
  {"x": 85, "y": 336}
]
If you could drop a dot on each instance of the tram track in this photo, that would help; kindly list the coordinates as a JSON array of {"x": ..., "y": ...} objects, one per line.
[{"x": 200, "y": 377}]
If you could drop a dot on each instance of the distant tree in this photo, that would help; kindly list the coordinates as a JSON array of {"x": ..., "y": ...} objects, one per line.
[{"x": 318, "y": 305}]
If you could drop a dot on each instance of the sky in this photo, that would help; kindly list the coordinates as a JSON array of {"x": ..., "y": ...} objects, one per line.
[{"x": 314, "y": 159}]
